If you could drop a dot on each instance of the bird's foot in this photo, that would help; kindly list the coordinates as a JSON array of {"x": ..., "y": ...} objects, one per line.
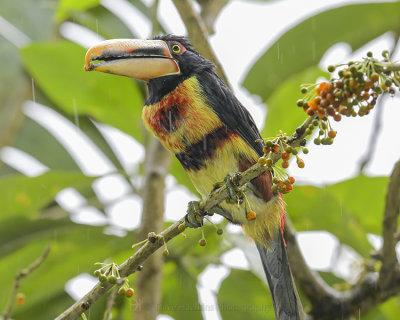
[
  {"x": 194, "y": 217},
  {"x": 235, "y": 193}
]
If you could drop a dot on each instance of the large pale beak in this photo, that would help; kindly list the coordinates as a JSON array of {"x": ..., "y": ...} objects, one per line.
[{"x": 139, "y": 59}]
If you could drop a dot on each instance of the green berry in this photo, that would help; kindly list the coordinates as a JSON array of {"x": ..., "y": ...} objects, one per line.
[
  {"x": 202, "y": 242},
  {"x": 220, "y": 231},
  {"x": 97, "y": 273},
  {"x": 165, "y": 252},
  {"x": 305, "y": 150},
  {"x": 331, "y": 68},
  {"x": 121, "y": 291},
  {"x": 112, "y": 279},
  {"x": 317, "y": 141}
]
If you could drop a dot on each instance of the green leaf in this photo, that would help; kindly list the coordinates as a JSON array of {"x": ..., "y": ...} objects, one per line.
[
  {"x": 244, "y": 296},
  {"x": 282, "y": 109},
  {"x": 25, "y": 195},
  {"x": 58, "y": 69},
  {"x": 179, "y": 294},
  {"x": 74, "y": 250},
  {"x": 304, "y": 45},
  {"x": 341, "y": 209},
  {"x": 65, "y": 6},
  {"x": 365, "y": 198}
]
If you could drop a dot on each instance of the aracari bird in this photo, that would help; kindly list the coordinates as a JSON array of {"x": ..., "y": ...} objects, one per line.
[{"x": 197, "y": 117}]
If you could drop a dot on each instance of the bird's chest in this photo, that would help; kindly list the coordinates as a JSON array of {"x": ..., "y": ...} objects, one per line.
[{"x": 181, "y": 118}]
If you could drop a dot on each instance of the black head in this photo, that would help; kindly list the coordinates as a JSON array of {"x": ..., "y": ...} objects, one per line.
[{"x": 190, "y": 63}]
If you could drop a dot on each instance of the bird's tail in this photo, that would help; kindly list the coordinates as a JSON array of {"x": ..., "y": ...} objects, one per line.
[{"x": 287, "y": 304}]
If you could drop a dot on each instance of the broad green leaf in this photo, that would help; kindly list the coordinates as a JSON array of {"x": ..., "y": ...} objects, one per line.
[
  {"x": 32, "y": 17},
  {"x": 58, "y": 70},
  {"x": 179, "y": 294},
  {"x": 388, "y": 310},
  {"x": 304, "y": 45},
  {"x": 365, "y": 198},
  {"x": 283, "y": 114},
  {"x": 101, "y": 21},
  {"x": 40, "y": 144},
  {"x": 341, "y": 209},
  {"x": 65, "y": 6},
  {"x": 74, "y": 250},
  {"x": 25, "y": 195},
  {"x": 244, "y": 296}
]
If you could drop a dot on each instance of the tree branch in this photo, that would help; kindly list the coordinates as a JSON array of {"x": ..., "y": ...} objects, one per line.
[
  {"x": 372, "y": 289},
  {"x": 148, "y": 282},
  {"x": 390, "y": 265},
  {"x": 20, "y": 275},
  {"x": 197, "y": 32}
]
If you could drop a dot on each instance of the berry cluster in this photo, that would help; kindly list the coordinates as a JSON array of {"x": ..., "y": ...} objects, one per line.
[
  {"x": 282, "y": 185},
  {"x": 126, "y": 290},
  {"x": 277, "y": 145},
  {"x": 354, "y": 92},
  {"x": 281, "y": 182}
]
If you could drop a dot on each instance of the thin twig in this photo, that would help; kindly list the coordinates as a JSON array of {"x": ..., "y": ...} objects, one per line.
[
  {"x": 110, "y": 304},
  {"x": 20, "y": 275}
]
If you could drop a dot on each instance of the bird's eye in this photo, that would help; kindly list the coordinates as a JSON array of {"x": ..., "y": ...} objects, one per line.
[{"x": 176, "y": 48}]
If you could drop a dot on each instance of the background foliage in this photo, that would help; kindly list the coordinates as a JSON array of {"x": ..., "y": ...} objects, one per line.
[{"x": 30, "y": 218}]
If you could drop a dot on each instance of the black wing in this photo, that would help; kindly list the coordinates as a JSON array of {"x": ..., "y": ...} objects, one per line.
[{"x": 230, "y": 110}]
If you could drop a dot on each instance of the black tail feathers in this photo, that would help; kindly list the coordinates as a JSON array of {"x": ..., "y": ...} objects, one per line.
[{"x": 287, "y": 304}]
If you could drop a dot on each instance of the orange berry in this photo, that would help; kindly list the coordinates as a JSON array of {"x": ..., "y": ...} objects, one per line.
[
  {"x": 300, "y": 163},
  {"x": 129, "y": 292},
  {"x": 20, "y": 299},
  {"x": 332, "y": 134},
  {"x": 251, "y": 215},
  {"x": 292, "y": 180},
  {"x": 313, "y": 105},
  {"x": 285, "y": 156},
  {"x": 288, "y": 188},
  {"x": 281, "y": 184},
  {"x": 285, "y": 164},
  {"x": 310, "y": 112}
]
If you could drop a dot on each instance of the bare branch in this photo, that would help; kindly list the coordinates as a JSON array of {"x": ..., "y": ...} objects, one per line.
[
  {"x": 390, "y": 265},
  {"x": 197, "y": 32},
  {"x": 20, "y": 275},
  {"x": 148, "y": 282}
]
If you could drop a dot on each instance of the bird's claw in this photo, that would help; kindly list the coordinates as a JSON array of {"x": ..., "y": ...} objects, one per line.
[
  {"x": 194, "y": 216},
  {"x": 235, "y": 194}
]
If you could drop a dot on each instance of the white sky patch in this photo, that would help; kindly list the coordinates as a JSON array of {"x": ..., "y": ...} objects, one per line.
[
  {"x": 70, "y": 199},
  {"x": 164, "y": 317},
  {"x": 209, "y": 282},
  {"x": 375, "y": 240},
  {"x": 132, "y": 17},
  {"x": 89, "y": 215},
  {"x": 79, "y": 34},
  {"x": 235, "y": 258},
  {"x": 86, "y": 154},
  {"x": 126, "y": 213},
  {"x": 176, "y": 203},
  {"x": 128, "y": 151},
  {"x": 111, "y": 187},
  {"x": 347, "y": 264},
  {"x": 317, "y": 248},
  {"x": 80, "y": 285},
  {"x": 22, "y": 162},
  {"x": 170, "y": 19},
  {"x": 13, "y": 34}
]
